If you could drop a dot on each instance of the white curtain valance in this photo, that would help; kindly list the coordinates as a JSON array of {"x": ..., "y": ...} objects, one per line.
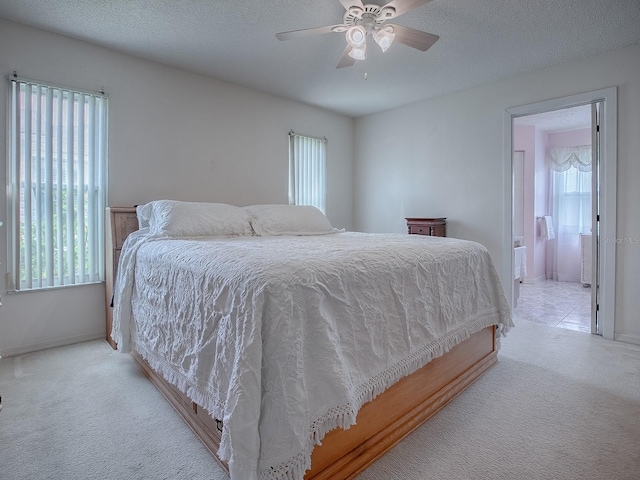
[{"x": 562, "y": 159}]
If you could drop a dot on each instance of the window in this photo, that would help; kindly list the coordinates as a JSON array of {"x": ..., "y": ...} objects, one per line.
[
  {"x": 57, "y": 146},
  {"x": 572, "y": 194},
  {"x": 571, "y": 188},
  {"x": 307, "y": 170}
]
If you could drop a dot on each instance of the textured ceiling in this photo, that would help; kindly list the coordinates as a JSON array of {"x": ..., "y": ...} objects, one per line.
[
  {"x": 481, "y": 41},
  {"x": 565, "y": 119}
]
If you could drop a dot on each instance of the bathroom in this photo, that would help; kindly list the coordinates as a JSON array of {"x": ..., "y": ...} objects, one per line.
[{"x": 552, "y": 211}]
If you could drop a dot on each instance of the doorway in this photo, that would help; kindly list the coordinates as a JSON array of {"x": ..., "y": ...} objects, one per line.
[
  {"x": 544, "y": 258},
  {"x": 552, "y": 212}
]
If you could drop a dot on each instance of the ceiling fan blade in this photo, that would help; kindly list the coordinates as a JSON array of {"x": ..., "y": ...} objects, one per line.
[
  {"x": 306, "y": 32},
  {"x": 403, "y": 6},
  {"x": 345, "y": 59},
  {"x": 351, "y": 3},
  {"x": 414, "y": 38}
]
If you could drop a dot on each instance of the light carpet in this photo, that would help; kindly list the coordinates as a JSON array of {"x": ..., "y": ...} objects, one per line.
[{"x": 559, "y": 404}]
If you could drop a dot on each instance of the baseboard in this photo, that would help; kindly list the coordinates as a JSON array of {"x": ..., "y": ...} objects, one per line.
[
  {"x": 623, "y": 337},
  {"x": 61, "y": 342},
  {"x": 533, "y": 281}
]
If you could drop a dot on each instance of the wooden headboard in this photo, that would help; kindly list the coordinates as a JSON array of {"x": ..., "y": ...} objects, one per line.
[{"x": 119, "y": 223}]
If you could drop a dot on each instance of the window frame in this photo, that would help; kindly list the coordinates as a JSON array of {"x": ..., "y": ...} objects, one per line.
[
  {"x": 308, "y": 170},
  {"x": 48, "y": 157}
]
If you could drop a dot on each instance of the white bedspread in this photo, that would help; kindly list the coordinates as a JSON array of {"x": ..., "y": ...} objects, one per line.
[{"x": 285, "y": 338}]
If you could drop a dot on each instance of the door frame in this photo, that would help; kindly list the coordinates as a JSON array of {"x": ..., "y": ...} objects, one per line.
[{"x": 607, "y": 195}]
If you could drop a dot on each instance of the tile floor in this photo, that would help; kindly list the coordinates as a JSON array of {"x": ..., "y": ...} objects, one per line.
[{"x": 562, "y": 304}]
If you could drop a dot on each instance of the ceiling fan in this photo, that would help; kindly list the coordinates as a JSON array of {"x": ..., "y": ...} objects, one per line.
[{"x": 361, "y": 20}]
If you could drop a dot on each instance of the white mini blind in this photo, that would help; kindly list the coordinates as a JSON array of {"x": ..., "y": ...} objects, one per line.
[
  {"x": 307, "y": 170},
  {"x": 57, "y": 185}
]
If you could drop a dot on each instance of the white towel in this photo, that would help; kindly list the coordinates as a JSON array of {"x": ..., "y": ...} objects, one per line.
[
  {"x": 519, "y": 262},
  {"x": 546, "y": 228}
]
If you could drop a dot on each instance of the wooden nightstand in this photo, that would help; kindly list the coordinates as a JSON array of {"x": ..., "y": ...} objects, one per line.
[
  {"x": 435, "y": 227},
  {"x": 120, "y": 222}
]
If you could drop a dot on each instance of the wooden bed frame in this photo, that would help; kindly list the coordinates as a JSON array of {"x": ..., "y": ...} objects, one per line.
[{"x": 381, "y": 423}]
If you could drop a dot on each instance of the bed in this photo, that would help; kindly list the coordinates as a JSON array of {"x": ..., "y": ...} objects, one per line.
[{"x": 295, "y": 350}]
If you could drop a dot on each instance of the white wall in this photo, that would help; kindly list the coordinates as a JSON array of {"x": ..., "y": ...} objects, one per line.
[
  {"x": 172, "y": 134},
  {"x": 444, "y": 157}
]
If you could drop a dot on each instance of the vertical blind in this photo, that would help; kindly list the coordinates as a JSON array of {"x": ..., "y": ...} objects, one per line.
[
  {"x": 57, "y": 185},
  {"x": 307, "y": 170}
]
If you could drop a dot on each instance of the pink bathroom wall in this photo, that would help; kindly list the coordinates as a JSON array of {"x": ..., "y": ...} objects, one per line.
[
  {"x": 571, "y": 138},
  {"x": 540, "y": 205},
  {"x": 534, "y": 143},
  {"x": 564, "y": 139},
  {"x": 524, "y": 139}
]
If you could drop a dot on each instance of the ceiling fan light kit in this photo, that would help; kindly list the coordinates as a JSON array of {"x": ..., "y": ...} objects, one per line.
[
  {"x": 384, "y": 37},
  {"x": 356, "y": 36},
  {"x": 358, "y": 53},
  {"x": 361, "y": 20}
]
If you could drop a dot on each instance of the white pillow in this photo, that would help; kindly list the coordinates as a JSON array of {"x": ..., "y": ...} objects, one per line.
[
  {"x": 197, "y": 219},
  {"x": 144, "y": 212},
  {"x": 289, "y": 220}
]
